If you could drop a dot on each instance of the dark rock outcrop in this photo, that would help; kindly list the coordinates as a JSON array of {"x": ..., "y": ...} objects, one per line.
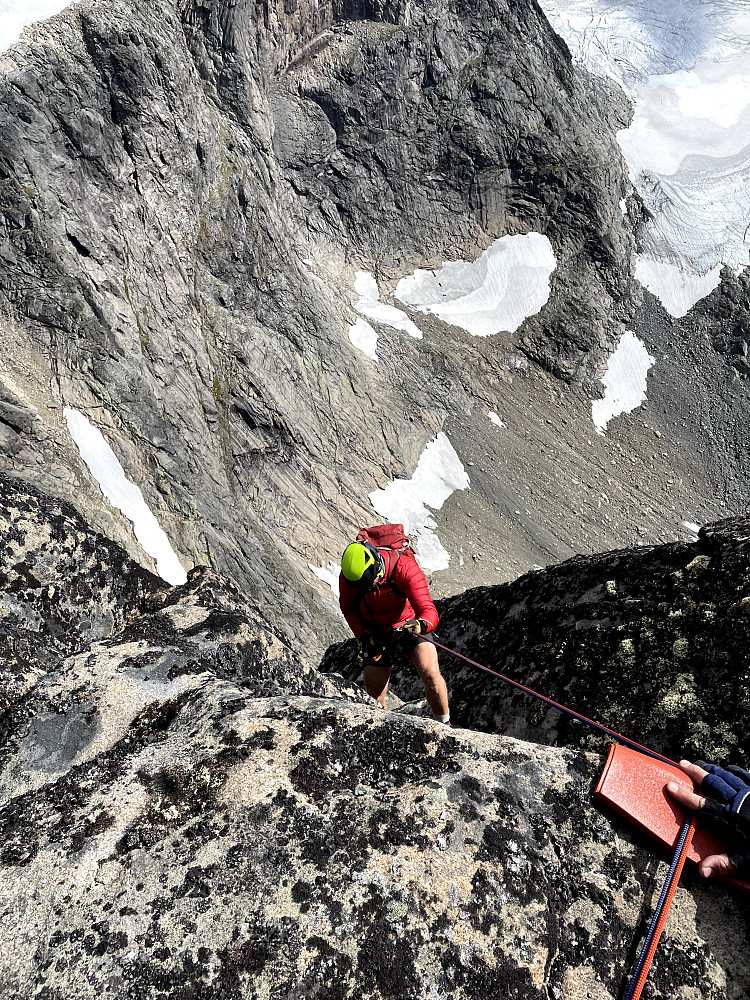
[
  {"x": 187, "y": 809},
  {"x": 723, "y": 317},
  {"x": 651, "y": 642},
  {"x": 63, "y": 587},
  {"x": 89, "y": 640},
  {"x": 313, "y": 849}
]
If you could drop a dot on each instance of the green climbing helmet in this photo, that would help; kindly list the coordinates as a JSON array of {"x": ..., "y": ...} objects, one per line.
[{"x": 362, "y": 564}]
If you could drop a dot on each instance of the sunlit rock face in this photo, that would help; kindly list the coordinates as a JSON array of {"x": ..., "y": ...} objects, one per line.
[
  {"x": 179, "y": 256},
  {"x": 188, "y": 808},
  {"x": 650, "y": 642}
]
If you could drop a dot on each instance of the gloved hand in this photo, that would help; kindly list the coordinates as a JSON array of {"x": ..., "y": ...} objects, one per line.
[
  {"x": 726, "y": 800},
  {"x": 372, "y": 647},
  {"x": 416, "y": 626}
]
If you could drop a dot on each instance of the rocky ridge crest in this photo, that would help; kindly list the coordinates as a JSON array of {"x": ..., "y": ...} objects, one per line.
[{"x": 190, "y": 810}]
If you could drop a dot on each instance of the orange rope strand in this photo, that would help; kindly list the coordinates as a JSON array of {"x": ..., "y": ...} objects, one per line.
[{"x": 665, "y": 911}]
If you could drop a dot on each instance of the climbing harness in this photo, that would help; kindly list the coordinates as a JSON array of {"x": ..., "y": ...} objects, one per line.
[{"x": 656, "y": 927}]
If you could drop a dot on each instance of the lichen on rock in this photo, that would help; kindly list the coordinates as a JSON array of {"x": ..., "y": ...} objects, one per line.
[{"x": 188, "y": 808}]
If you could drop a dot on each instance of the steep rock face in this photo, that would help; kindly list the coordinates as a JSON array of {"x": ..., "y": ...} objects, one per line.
[
  {"x": 188, "y": 809},
  {"x": 459, "y": 125},
  {"x": 169, "y": 172},
  {"x": 724, "y": 318},
  {"x": 90, "y": 640},
  {"x": 651, "y": 642}
]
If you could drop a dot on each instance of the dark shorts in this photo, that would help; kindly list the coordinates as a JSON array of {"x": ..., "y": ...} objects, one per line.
[{"x": 398, "y": 650}]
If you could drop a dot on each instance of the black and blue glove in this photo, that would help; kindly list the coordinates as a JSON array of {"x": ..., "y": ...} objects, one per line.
[{"x": 727, "y": 794}]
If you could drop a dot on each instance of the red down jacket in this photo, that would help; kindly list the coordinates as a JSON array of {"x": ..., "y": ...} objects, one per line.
[{"x": 402, "y": 595}]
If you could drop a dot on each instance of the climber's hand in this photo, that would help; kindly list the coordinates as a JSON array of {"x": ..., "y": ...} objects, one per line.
[
  {"x": 415, "y": 626},
  {"x": 726, "y": 801}
]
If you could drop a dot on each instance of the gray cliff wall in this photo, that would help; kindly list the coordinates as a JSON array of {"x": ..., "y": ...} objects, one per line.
[{"x": 167, "y": 172}]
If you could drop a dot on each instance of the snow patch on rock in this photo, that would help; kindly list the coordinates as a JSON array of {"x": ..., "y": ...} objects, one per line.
[
  {"x": 369, "y": 305},
  {"x": 677, "y": 289},
  {"x": 494, "y": 293},
  {"x": 105, "y": 467},
  {"x": 364, "y": 338},
  {"x": 686, "y": 67},
  {"x": 624, "y": 381},
  {"x": 328, "y": 574},
  {"x": 439, "y": 473},
  {"x": 495, "y": 419}
]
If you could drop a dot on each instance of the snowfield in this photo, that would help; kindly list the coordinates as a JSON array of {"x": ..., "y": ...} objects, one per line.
[
  {"x": 328, "y": 574},
  {"x": 685, "y": 65},
  {"x": 369, "y": 305},
  {"x": 439, "y": 473},
  {"x": 495, "y": 293},
  {"x": 364, "y": 338},
  {"x": 677, "y": 289},
  {"x": 105, "y": 467},
  {"x": 624, "y": 381}
]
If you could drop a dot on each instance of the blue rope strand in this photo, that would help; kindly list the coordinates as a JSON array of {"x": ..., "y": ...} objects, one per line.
[{"x": 657, "y": 912}]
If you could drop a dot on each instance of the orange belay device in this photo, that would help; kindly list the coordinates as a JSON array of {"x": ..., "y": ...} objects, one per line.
[{"x": 635, "y": 785}]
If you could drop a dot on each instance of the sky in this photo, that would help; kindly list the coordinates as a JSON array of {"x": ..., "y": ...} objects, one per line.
[{"x": 15, "y": 14}]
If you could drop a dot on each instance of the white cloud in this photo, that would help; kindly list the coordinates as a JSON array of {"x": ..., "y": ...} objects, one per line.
[{"x": 123, "y": 494}]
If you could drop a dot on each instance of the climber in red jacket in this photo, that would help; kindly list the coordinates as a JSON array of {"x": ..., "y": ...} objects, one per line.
[{"x": 385, "y": 598}]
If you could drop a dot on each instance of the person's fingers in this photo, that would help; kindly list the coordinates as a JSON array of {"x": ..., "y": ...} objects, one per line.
[
  {"x": 693, "y": 771},
  {"x": 716, "y": 866},
  {"x": 685, "y": 796}
]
